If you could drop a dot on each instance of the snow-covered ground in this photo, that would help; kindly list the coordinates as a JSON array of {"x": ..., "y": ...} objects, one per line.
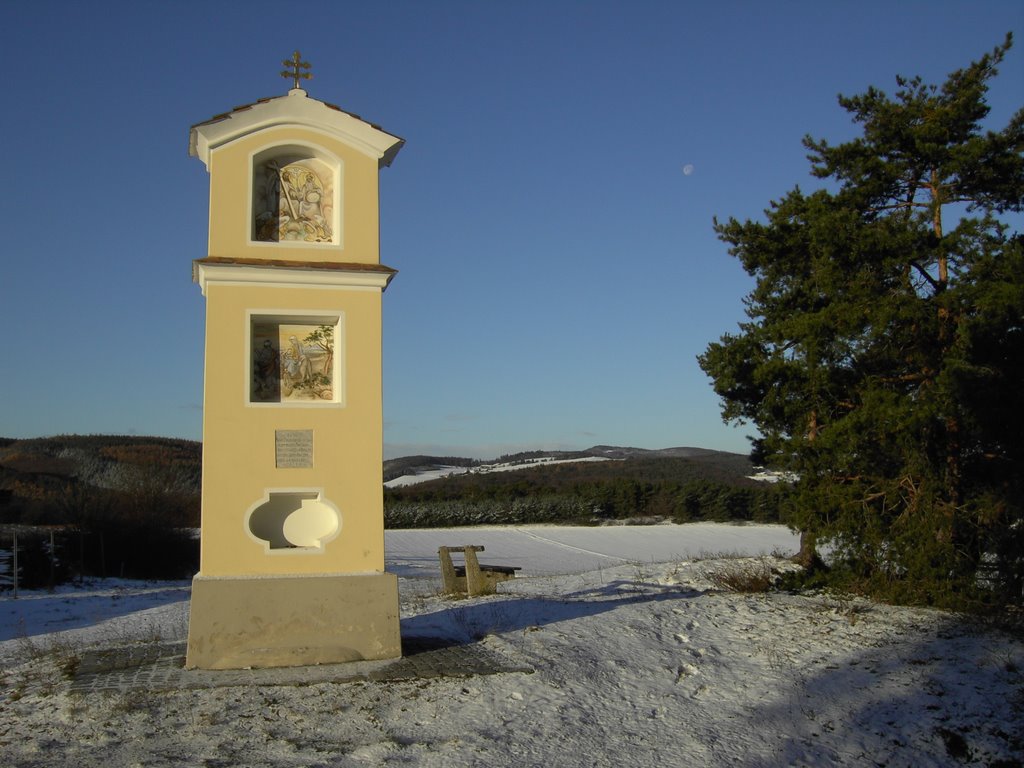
[{"x": 640, "y": 659}]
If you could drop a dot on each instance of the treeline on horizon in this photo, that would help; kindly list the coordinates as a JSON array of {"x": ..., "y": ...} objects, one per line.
[
  {"x": 678, "y": 489},
  {"x": 128, "y": 506}
]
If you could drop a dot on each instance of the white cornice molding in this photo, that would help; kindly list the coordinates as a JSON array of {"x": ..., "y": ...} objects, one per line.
[
  {"x": 286, "y": 277},
  {"x": 295, "y": 109}
]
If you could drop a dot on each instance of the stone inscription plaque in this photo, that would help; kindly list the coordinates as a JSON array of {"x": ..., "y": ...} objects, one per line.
[{"x": 294, "y": 448}]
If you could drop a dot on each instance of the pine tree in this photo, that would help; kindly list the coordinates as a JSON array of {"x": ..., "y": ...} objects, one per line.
[{"x": 882, "y": 356}]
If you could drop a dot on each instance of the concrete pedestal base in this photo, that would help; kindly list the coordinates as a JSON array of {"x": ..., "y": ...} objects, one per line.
[{"x": 289, "y": 621}]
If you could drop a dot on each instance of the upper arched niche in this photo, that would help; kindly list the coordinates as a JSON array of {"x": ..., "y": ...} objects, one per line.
[{"x": 296, "y": 195}]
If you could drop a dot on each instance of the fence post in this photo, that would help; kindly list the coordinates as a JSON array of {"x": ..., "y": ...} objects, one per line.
[
  {"x": 53, "y": 559},
  {"x": 15, "y": 568}
]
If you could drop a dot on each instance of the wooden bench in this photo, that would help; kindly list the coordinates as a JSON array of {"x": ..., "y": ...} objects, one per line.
[{"x": 471, "y": 578}]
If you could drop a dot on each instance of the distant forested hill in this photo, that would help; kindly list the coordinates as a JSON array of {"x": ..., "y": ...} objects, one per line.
[
  {"x": 100, "y": 505},
  {"x": 39, "y": 476},
  {"x": 679, "y": 484},
  {"x": 90, "y": 479}
]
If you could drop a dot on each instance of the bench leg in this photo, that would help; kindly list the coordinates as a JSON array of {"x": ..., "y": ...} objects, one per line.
[
  {"x": 449, "y": 581},
  {"x": 476, "y": 581}
]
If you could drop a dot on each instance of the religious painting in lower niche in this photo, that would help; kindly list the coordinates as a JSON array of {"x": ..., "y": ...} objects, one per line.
[{"x": 292, "y": 363}]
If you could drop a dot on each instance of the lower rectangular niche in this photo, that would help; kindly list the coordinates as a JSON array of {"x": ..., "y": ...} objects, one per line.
[{"x": 295, "y": 360}]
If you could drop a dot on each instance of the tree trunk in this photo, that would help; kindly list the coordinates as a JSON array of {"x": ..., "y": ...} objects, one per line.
[{"x": 808, "y": 555}]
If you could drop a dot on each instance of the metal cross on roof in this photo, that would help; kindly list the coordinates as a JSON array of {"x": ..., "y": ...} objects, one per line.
[{"x": 295, "y": 64}]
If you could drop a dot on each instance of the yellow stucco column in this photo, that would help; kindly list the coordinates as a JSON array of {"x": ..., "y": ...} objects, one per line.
[{"x": 292, "y": 537}]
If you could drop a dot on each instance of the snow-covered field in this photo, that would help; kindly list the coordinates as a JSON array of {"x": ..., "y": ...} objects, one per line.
[
  {"x": 448, "y": 471},
  {"x": 639, "y": 658}
]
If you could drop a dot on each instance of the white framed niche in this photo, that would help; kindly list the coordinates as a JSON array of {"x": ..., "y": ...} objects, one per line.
[
  {"x": 295, "y": 360},
  {"x": 296, "y": 196}
]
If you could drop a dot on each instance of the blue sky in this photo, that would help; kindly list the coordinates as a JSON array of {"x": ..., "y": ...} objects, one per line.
[{"x": 550, "y": 215}]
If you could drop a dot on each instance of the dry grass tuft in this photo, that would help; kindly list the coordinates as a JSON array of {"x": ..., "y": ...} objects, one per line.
[{"x": 744, "y": 575}]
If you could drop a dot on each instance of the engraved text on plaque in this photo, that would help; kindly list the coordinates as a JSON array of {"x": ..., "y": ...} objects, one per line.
[{"x": 293, "y": 448}]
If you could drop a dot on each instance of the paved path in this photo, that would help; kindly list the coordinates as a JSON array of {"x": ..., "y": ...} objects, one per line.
[{"x": 160, "y": 667}]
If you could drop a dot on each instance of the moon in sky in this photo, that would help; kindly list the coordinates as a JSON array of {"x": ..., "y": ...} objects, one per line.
[{"x": 688, "y": 169}]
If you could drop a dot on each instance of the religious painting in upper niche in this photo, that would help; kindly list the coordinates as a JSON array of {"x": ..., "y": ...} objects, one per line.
[
  {"x": 292, "y": 363},
  {"x": 294, "y": 202}
]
